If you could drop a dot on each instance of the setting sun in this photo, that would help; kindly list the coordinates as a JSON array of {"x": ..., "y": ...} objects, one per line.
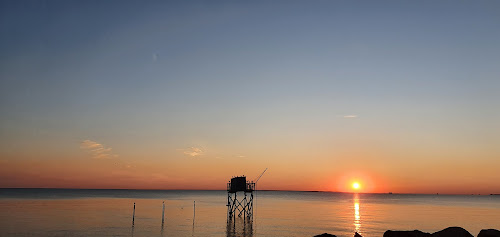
[{"x": 356, "y": 185}]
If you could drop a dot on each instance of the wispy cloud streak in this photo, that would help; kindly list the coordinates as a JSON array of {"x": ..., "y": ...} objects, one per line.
[
  {"x": 97, "y": 150},
  {"x": 193, "y": 151}
]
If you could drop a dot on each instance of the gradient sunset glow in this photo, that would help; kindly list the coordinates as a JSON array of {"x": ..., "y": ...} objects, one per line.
[{"x": 399, "y": 97}]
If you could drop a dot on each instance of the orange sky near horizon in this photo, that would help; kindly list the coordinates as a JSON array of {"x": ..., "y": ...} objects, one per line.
[{"x": 205, "y": 173}]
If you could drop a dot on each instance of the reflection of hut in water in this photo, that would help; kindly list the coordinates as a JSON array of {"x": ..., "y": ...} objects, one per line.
[
  {"x": 237, "y": 204},
  {"x": 239, "y": 228}
]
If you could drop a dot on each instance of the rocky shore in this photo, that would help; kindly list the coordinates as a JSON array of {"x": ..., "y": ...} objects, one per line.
[{"x": 448, "y": 232}]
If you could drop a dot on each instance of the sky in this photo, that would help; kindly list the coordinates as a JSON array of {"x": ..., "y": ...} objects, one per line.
[{"x": 400, "y": 96}]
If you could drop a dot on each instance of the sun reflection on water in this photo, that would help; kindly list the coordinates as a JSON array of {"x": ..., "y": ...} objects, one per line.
[{"x": 357, "y": 216}]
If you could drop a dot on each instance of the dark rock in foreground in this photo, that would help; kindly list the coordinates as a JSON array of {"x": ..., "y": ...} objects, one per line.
[
  {"x": 453, "y": 232},
  {"x": 413, "y": 233},
  {"x": 489, "y": 233},
  {"x": 448, "y": 232},
  {"x": 325, "y": 235}
]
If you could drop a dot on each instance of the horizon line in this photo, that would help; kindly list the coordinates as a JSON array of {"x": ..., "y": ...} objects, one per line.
[{"x": 266, "y": 190}]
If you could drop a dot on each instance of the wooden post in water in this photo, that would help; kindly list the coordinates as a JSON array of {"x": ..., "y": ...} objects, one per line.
[
  {"x": 163, "y": 214},
  {"x": 133, "y": 216},
  {"x": 194, "y": 211}
]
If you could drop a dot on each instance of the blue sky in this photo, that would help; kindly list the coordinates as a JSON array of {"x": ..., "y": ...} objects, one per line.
[{"x": 272, "y": 80}]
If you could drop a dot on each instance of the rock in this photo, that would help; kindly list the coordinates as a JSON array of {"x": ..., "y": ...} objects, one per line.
[
  {"x": 357, "y": 235},
  {"x": 414, "y": 233},
  {"x": 325, "y": 235},
  {"x": 452, "y": 232},
  {"x": 489, "y": 233}
]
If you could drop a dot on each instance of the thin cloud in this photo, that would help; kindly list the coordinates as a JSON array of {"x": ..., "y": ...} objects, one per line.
[
  {"x": 193, "y": 151},
  {"x": 351, "y": 116},
  {"x": 97, "y": 150}
]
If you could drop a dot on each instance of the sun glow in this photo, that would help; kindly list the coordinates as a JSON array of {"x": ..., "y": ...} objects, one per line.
[
  {"x": 355, "y": 182},
  {"x": 356, "y": 186}
]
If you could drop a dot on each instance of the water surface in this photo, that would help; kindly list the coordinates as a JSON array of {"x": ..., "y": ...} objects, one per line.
[{"x": 65, "y": 212}]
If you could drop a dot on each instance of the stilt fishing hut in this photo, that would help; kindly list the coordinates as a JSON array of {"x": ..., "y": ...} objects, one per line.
[{"x": 242, "y": 204}]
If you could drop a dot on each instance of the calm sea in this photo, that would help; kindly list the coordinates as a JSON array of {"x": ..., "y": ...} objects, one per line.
[{"x": 64, "y": 212}]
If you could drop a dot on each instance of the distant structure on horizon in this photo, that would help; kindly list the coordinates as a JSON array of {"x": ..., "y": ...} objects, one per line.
[{"x": 244, "y": 205}]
